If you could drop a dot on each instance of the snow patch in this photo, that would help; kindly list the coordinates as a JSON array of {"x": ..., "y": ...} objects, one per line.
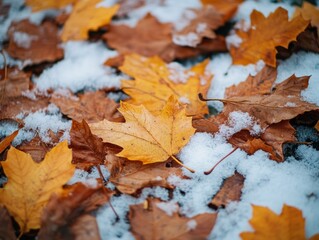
[
  {"x": 168, "y": 207},
  {"x": 23, "y": 40}
]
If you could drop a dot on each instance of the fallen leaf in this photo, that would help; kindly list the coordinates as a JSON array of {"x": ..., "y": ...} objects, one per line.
[
  {"x": 145, "y": 137},
  {"x": 142, "y": 41},
  {"x": 17, "y": 82},
  {"x": 7, "y": 141},
  {"x": 90, "y": 106},
  {"x": 34, "y": 44},
  {"x": 65, "y": 215},
  {"x": 230, "y": 191},
  {"x": 6, "y": 229},
  {"x": 261, "y": 40},
  {"x": 164, "y": 226},
  {"x": 309, "y": 12},
  {"x": 289, "y": 225},
  {"x": 317, "y": 126},
  {"x": 39, "y": 5},
  {"x": 154, "y": 82},
  {"x": 201, "y": 26},
  {"x": 87, "y": 148},
  {"x": 227, "y": 7},
  {"x": 31, "y": 184},
  {"x": 86, "y": 15},
  {"x": 259, "y": 84},
  {"x": 126, "y": 6}
]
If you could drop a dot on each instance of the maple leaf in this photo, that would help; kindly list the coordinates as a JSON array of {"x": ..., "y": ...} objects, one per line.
[
  {"x": 42, "y": 45},
  {"x": 38, "y": 5},
  {"x": 7, "y": 141},
  {"x": 164, "y": 226},
  {"x": 154, "y": 82},
  {"x": 90, "y": 106},
  {"x": 227, "y": 7},
  {"x": 65, "y": 215},
  {"x": 309, "y": 12},
  {"x": 86, "y": 15},
  {"x": 31, "y": 184},
  {"x": 262, "y": 38},
  {"x": 145, "y": 137},
  {"x": 289, "y": 225},
  {"x": 6, "y": 229}
]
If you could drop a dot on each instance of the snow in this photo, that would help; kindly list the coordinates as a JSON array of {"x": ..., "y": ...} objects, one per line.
[
  {"x": 23, "y": 40},
  {"x": 191, "y": 224},
  {"x": 168, "y": 207}
]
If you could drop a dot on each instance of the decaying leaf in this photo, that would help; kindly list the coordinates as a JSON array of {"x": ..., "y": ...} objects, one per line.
[
  {"x": 6, "y": 228},
  {"x": 262, "y": 38},
  {"x": 145, "y": 137},
  {"x": 289, "y": 225},
  {"x": 38, "y": 5},
  {"x": 230, "y": 191},
  {"x": 90, "y": 106},
  {"x": 309, "y": 12},
  {"x": 31, "y": 184},
  {"x": 17, "y": 82},
  {"x": 207, "y": 19},
  {"x": 34, "y": 44},
  {"x": 227, "y": 7},
  {"x": 155, "y": 81},
  {"x": 65, "y": 215},
  {"x": 142, "y": 41},
  {"x": 86, "y": 15},
  {"x": 164, "y": 226},
  {"x": 7, "y": 141},
  {"x": 87, "y": 148}
]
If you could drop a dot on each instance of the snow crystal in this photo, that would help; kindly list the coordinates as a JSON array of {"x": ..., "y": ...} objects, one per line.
[
  {"x": 191, "y": 224},
  {"x": 201, "y": 27},
  {"x": 178, "y": 74},
  {"x": 23, "y": 40},
  {"x": 188, "y": 39},
  {"x": 82, "y": 68},
  {"x": 290, "y": 104},
  {"x": 233, "y": 40},
  {"x": 89, "y": 178},
  {"x": 168, "y": 207}
]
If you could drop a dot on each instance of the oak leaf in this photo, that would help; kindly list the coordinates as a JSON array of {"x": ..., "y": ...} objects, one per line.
[
  {"x": 31, "y": 184},
  {"x": 154, "y": 82},
  {"x": 289, "y": 225},
  {"x": 227, "y": 7},
  {"x": 6, "y": 228},
  {"x": 38, "y": 5},
  {"x": 309, "y": 12},
  {"x": 86, "y": 15},
  {"x": 164, "y": 226},
  {"x": 262, "y": 38},
  {"x": 34, "y": 44},
  {"x": 145, "y": 137}
]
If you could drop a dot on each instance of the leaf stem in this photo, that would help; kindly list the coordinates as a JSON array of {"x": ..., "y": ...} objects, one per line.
[
  {"x": 212, "y": 169},
  {"x": 180, "y": 163}
]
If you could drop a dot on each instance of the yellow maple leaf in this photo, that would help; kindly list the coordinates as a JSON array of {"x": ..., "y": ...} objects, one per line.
[
  {"x": 265, "y": 35},
  {"x": 31, "y": 184},
  {"x": 309, "y": 12},
  {"x": 87, "y": 15},
  {"x": 154, "y": 82},
  {"x": 38, "y": 5},
  {"x": 289, "y": 225},
  {"x": 145, "y": 137}
]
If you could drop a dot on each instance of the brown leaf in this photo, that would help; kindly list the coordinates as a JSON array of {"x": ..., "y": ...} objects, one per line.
[
  {"x": 90, "y": 106},
  {"x": 7, "y": 141},
  {"x": 162, "y": 226},
  {"x": 230, "y": 191},
  {"x": 62, "y": 217},
  {"x": 207, "y": 19},
  {"x": 126, "y": 6},
  {"x": 227, "y": 7},
  {"x": 17, "y": 82},
  {"x": 317, "y": 126},
  {"x": 253, "y": 85},
  {"x": 86, "y": 227},
  {"x": 33, "y": 43},
  {"x": 6, "y": 228},
  {"x": 210, "y": 125},
  {"x": 87, "y": 148},
  {"x": 143, "y": 41}
]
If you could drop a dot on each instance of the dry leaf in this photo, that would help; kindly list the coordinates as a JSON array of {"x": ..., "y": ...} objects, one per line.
[
  {"x": 259, "y": 84},
  {"x": 230, "y": 191},
  {"x": 126, "y": 6},
  {"x": 6, "y": 229},
  {"x": 207, "y": 19},
  {"x": 87, "y": 148},
  {"x": 39, "y": 5},
  {"x": 317, "y": 126},
  {"x": 163, "y": 226},
  {"x": 31, "y": 184},
  {"x": 90, "y": 106},
  {"x": 261, "y": 40},
  {"x": 154, "y": 82},
  {"x": 142, "y": 41},
  {"x": 17, "y": 82},
  {"x": 64, "y": 215},
  {"x": 34, "y": 44},
  {"x": 145, "y": 137},
  {"x": 86, "y": 15},
  {"x": 289, "y": 225},
  {"x": 227, "y": 7},
  {"x": 309, "y": 12},
  {"x": 7, "y": 141}
]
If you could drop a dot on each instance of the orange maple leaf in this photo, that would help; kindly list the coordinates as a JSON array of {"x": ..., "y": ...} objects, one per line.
[
  {"x": 264, "y": 35},
  {"x": 227, "y": 7},
  {"x": 38, "y": 5},
  {"x": 31, "y": 184},
  {"x": 86, "y": 15},
  {"x": 309, "y": 12}
]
